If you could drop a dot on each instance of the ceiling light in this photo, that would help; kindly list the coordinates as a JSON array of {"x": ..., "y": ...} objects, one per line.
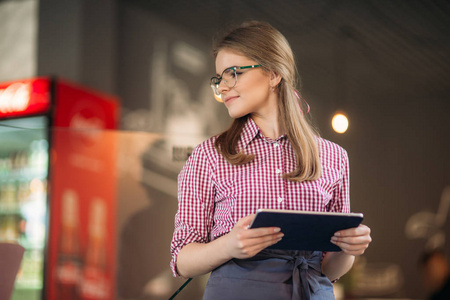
[{"x": 339, "y": 123}]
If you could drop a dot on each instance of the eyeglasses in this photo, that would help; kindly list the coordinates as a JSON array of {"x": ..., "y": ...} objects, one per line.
[{"x": 228, "y": 77}]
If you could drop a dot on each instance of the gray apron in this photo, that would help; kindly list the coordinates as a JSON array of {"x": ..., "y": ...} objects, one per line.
[{"x": 271, "y": 274}]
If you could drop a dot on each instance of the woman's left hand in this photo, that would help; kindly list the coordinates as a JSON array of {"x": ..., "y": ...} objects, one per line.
[{"x": 353, "y": 241}]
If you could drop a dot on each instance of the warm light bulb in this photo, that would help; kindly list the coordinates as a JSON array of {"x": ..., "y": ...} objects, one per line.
[
  {"x": 339, "y": 123},
  {"x": 218, "y": 98}
]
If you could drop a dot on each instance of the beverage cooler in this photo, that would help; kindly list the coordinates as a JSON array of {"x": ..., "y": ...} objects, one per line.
[{"x": 57, "y": 187}]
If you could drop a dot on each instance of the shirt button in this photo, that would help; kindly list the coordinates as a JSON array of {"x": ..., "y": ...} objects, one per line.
[
  {"x": 275, "y": 145},
  {"x": 280, "y": 200},
  {"x": 278, "y": 171}
]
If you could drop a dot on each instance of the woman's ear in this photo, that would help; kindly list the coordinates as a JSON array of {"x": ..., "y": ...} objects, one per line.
[{"x": 275, "y": 79}]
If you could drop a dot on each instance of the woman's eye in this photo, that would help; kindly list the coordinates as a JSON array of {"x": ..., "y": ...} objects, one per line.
[{"x": 228, "y": 73}]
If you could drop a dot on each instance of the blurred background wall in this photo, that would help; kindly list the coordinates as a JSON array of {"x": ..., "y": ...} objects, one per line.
[
  {"x": 385, "y": 63},
  {"x": 18, "y": 29}
]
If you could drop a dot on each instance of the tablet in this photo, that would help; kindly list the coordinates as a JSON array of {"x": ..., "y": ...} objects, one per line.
[{"x": 306, "y": 230}]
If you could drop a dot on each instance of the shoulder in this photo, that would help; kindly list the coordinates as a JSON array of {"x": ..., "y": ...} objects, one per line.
[
  {"x": 207, "y": 146},
  {"x": 331, "y": 152},
  {"x": 205, "y": 151},
  {"x": 327, "y": 146},
  {"x": 202, "y": 160}
]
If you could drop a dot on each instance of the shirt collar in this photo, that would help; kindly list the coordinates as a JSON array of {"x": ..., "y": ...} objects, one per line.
[{"x": 251, "y": 131}]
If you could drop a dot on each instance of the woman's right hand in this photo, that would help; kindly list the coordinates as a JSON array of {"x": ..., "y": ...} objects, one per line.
[{"x": 243, "y": 242}]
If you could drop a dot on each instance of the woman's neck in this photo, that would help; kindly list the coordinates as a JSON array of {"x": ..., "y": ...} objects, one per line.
[{"x": 269, "y": 125}]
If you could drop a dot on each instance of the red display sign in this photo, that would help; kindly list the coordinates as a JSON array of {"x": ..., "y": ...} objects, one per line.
[
  {"x": 81, "y": 261},
  {"x": 83, "y": 109},
  {"x": 24, "y": 98}
]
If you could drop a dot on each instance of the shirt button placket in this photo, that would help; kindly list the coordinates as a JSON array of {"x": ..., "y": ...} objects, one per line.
[{"x": 278, "y": 171}]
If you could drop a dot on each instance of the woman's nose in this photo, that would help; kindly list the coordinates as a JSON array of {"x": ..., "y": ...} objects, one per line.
[{"x": 223, "y": 87}]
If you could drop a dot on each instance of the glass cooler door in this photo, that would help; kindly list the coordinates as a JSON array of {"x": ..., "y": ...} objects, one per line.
[{"x": 23, "y": 197}]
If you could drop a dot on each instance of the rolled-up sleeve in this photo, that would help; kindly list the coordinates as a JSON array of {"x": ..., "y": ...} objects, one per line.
[
  {"x": 194, "y": 218},
  {"x": 341, "y": 195}
]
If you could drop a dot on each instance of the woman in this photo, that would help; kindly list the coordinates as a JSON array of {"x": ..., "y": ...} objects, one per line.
[{"x": 270, "y": 157}]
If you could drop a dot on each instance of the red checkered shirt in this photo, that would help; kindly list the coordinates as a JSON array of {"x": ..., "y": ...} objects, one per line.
[{"x": 213, "y": 194}]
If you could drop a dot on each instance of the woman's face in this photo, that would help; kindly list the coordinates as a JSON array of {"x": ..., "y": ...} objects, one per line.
[{"x": 252, "y": 92}]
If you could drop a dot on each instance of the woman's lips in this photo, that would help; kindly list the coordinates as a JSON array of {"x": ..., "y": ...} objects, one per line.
[{"x": 228, "y": 99}]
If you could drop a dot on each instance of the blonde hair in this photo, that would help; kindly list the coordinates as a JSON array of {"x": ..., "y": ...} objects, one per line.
[{"x": 265, "y": 45}]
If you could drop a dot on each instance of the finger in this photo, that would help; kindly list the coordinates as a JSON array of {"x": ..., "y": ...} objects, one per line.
[
  {"x": 352, "y": 240},
  {"x": 355, "y": 231},
  {"x": 258, "y": 248},
  {"x": 352, "y": 247},
  {"x": 355, "y": 249},
  {"x": 245, "y": 221},
  {"x": 263, "y": 231},
  {"x": 253, "y": 249},
  {"x": 246, "y": 241},
  {"x": 268, "y": 239}
]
